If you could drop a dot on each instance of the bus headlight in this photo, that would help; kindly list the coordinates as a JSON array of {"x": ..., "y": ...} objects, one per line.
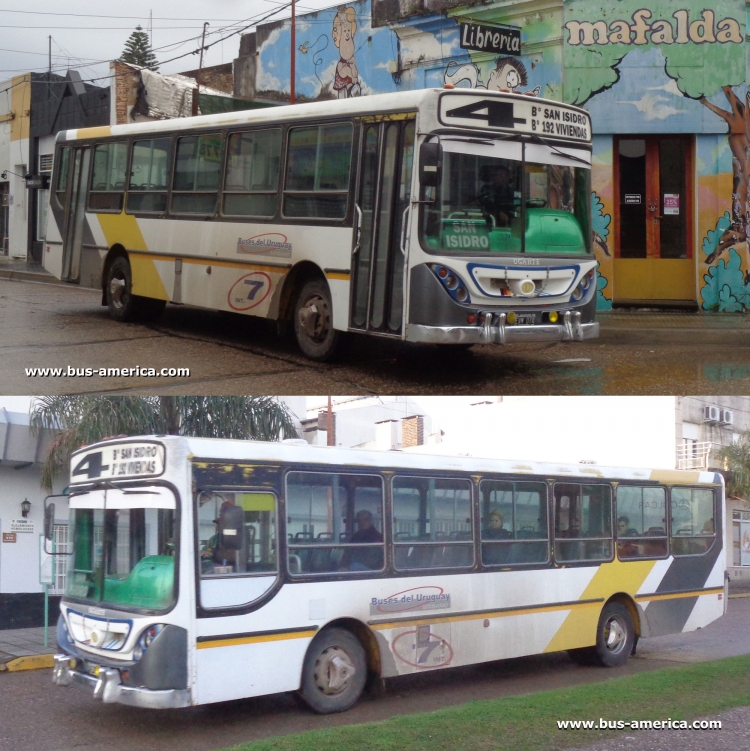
[
  {"x": 452, "y": 282},
  {"x": 146, "y": 639}
]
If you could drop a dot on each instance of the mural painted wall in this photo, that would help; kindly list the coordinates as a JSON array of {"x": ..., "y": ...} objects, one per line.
[
  {"x": 672, "y": 66},
  {"x": 345, "y": 51}
]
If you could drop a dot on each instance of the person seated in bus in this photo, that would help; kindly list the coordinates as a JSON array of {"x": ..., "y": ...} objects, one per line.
[
  {"x": 495, "y": 529},
  {"x": 497, "y": 197},
  {"x": 626, "y": 548},
  {"x": 222, "y": 548},
  {"x": 364, "y": 559},
  {"x": 708, "y": 527}
]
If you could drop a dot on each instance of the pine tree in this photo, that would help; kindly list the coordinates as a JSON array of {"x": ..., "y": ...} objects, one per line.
[{"x": 138, "y": 50}]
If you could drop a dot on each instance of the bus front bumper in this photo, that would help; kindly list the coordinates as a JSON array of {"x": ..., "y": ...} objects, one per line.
[
  {"x": 109, "y": 688},
  {"x": 496, "y": 330}
]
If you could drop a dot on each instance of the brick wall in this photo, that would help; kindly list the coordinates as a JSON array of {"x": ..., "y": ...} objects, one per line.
[
  {"x": 127, "y": 80},
  {"x": 323, "y": 425},
  {"x": 219, "y": 77},
  {"x": 412, "y": 431}
]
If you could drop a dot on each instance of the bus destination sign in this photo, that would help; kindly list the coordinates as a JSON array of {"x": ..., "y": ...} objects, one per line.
[
  {"x": 117, "y": 461},
  {"x": 520, "y": 115},
  {"x": 506, "y": 40}
]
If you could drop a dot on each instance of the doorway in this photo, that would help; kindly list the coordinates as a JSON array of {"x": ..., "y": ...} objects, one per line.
[
  {"x": 75, "y": 222},
  {"x": 387, "y": 155},
  {"x": 654, "y": 205}
]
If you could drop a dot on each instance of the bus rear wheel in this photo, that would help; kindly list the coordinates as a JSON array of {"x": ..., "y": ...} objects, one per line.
[
  {"x": 334, "y": 672},
  {"x": 123, "y": 305},
  {"x": 313, "y": 321},
  {"x": 615, "y": 635}
]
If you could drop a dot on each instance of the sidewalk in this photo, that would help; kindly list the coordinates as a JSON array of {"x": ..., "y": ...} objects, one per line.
[
  {"x": 23, "y": 649},
  {"x": 22, "y": 270}
]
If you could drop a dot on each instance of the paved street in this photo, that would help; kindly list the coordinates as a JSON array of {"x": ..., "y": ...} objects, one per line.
[
  {"x": 34, "y": 714},
  {"x": 58, "y": 326}
]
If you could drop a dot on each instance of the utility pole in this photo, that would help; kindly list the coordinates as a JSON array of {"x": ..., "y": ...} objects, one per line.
[
  {"x": 200, "y": 70},
  {"x": 294, "y": 49},
  {"x": 49, "y": 58},
  {"x": 329, "y": 423}
]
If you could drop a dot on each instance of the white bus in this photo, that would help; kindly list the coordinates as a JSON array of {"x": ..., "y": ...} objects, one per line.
[
  {"x": 206, "y": 570},
  {"x": 312, "y": 215}
]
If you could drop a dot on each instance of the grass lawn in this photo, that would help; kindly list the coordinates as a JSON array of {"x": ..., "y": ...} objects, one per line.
[{"x": 529, "y": 723}]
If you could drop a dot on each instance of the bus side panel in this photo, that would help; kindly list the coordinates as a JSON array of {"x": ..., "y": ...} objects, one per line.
[{"x": 242, "y": 670}]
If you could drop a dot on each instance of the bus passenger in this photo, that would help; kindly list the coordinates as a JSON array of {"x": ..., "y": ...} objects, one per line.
[
  {"x": 495, "y": 529},
  {"x": 627, "y": 548},
  {"x": 364, "y": 559}
]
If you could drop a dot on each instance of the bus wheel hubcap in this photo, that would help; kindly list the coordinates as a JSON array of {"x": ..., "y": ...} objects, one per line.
[
  {"x": 615, "y": 635},
  {"x": 314, "y": 318},
  {"x": 117, "y": 291},
  {"x": 334, "y": 671}
]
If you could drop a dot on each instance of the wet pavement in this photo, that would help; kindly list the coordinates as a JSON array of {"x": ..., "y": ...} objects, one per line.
[
  {"x": 35, "y": 714},
  {"x": 639, "y": 352}
]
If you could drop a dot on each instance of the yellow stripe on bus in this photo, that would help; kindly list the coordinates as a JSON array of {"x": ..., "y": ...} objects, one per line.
[
  {"x": 146, "y": 278},
  {"x": 122, "y": 229},
  {"x": 232, "y": 642},
  {"x": 483, "y": 615},
  {"x": 680, "y": 595},
  {"x": 580, "y": 624},
  {"x": 212, "y": 262},
  {"x": 101, "y": 131},
  {"x": 338, "y": 275}
]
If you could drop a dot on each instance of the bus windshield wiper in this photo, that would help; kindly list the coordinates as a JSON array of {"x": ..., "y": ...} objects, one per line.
[{"x": 557, "y": 151}]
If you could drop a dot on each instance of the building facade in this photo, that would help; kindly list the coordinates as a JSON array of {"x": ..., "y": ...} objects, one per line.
[
  {"x": 665, "y": 86},
  {"x": 22, "y": 453}
]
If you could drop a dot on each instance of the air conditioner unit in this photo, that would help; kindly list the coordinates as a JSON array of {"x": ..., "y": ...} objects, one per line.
[
  {"x": 727, "y": 417},
  {"x": 711, "y": 414}
]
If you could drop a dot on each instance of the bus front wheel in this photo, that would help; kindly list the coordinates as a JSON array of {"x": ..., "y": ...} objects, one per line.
[
  {"x": 313, "y": 321},
  {"x": 123, "y": 305},
  {"x": 334, "y": 672}
]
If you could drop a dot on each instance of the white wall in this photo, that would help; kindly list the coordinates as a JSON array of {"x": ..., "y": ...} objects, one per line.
[{"x": 19, "y": 561}]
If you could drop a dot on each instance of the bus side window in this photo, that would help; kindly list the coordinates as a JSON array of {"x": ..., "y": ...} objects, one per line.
[
  {"x": 252, "y": 176},
  {"x": 583, "y": 522},
  {"x": 61, "y": 176},
  {"x": 108, "y": 182},
  {"x": 693, "y": 528},
  {"x": 334, "y": 522},
  {"x": 641, "y": 522},
  {"x": 147, "y": 189},
  {"x": 514, "y": 522},
  {"x": 317, "y": 171},
  {"x": 196, "y": 174},
  {"x": 432, "y": 523}
]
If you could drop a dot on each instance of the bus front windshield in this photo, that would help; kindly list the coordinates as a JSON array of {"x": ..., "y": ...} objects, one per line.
[
  {"x": 508, "y": 198},
  {"x": 123, "y": 548}
]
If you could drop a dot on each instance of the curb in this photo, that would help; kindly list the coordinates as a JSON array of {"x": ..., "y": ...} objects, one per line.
[
  {"x": 29, "y": 276},
  {"x": 690, "y": 336},
  {"x": 741, "y": 594},
  {"x": 32, "y": 662}
]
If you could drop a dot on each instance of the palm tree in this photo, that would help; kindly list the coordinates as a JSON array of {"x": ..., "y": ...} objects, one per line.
[
  {"x": 736, "y": 458},
  {"x": 81, "y": 420}
]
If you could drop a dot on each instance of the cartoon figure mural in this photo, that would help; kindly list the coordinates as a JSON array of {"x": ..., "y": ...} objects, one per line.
[
  {"x": 346, "y": 81},
  {"x": 661, "y": 70},
  {"x": 509, "y": 74}
]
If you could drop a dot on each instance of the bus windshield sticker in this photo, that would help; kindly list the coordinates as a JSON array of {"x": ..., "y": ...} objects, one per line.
[
  {"x": 515, "y": 115},
  {"x": 419, "y": 598},
  {"x": 118, "y": 461}
]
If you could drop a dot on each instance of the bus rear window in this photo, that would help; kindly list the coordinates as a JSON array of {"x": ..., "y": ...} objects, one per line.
[{"x": 317, "y": 172}]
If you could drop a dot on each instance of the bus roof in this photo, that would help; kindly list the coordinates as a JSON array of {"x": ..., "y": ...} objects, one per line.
[
  {"x": 298, "y": 451},
  {"x": 377, "y": 103}
]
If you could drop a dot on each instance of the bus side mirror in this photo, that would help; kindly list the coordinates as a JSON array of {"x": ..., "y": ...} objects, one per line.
[
  {"x": 49, "y": 520},
  {"x": 430, "y": 161}
]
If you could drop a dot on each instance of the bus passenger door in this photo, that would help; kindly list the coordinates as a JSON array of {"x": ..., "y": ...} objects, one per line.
[
  {"x": 378, "y": 263},
  {"x": 75, "y": 219}
]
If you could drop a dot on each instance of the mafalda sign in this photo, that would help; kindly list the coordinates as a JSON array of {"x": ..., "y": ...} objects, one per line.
[{"x": 481, "y": 38}]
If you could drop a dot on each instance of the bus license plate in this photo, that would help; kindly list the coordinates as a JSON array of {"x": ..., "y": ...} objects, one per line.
[{"x": 526, "y": 319}]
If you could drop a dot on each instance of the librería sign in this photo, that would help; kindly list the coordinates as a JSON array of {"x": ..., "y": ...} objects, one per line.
[{"x": 495, "y": 39}]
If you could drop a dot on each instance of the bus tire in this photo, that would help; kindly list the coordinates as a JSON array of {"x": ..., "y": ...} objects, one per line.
[
  {"x": 334, "y": 672},
  {"x": 615, "y": 635},
  {"x": 122, "y": 304},
  {"x": 313, "y": 321}
]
